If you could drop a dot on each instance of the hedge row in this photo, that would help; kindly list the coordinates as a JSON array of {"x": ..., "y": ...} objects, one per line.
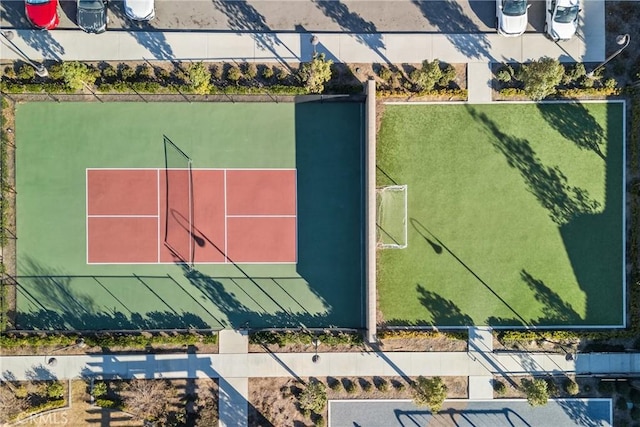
[
  {"x": 106, "y": 340},
  {"x": 285, "y": 338}
]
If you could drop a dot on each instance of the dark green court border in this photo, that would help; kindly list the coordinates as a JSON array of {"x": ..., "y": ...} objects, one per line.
[
  {"x": 57, "y": 290},
  {"x": 484, "y": 189}
]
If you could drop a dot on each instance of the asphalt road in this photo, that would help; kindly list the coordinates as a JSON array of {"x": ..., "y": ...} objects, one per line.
[{"x": 356, "y": 16}]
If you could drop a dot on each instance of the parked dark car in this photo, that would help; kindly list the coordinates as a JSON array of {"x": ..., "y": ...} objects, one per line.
[{"x": 92, "y": 16}]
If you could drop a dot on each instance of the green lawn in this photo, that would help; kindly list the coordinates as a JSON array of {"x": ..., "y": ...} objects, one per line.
[
  {"x": 59, "y": 290},
  {"x": 515, "y": 214}
]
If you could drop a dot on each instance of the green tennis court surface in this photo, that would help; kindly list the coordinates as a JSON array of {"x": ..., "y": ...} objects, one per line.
[
  {"x": 65, "y": 285},
  {"x": 515, "y": 215}
]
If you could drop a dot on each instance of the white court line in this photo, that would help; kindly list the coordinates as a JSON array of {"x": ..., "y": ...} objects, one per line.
[
  {"x": 196, "y": 169},
  {"x": 190, "y": 240},
  {"x": 295, "y": 195},
  {"x": 224, "y": 253},
  {"x": 86, "y": 195},
  {"x": 203, "y": 263},
  {"x": 158, "y": 190},
  {"x": 261, "y": 216},
  {"x": 123, "y": 216}
]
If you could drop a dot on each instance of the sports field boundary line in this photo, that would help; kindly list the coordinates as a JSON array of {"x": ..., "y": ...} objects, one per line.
[
  {"x": 262, "y": 216},
  {"x": 550, "y": 101},
  {"x": 86, "y": 213},
  {"x": 295, "y": 193},
  {"x": 198, "y": 263},
  {"x": 195, "y": 169},
  {"x": 158, "y": 211},
  {"x": 123, "y": 216},
  {"x": 624, "y": 211},
  {"x": 225, "y": 254}
]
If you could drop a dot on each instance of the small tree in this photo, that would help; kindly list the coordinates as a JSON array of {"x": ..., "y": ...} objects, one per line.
[
  {"x": 429, "y": 392},
  {"x": 200, "y": 78},
  {"x": 313, "y": 398},
  {"x": 77, "y": 74},
  {"x": 147, "y": 399},
  {"x": 426, "y": 77},
  {"x": 55, "y": 390},
  {"x": 537, "y": 391},
  {"x": 316, "y": 73},
  {"x": 541, "y": 77},
  {"x": 571, "y": 387}
]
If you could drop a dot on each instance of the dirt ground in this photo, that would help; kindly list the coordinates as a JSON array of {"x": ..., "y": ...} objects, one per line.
[{"x": 273, "y": 402}]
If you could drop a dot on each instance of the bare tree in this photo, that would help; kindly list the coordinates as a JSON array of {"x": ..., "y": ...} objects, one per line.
[
  {"x": 147, "y": 399},
  {"x": 10, "y": 404}
]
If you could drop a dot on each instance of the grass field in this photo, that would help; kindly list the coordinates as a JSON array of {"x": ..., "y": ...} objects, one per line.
[
  {"x": 515, "y": 215},
  {"x": 59, "y": 290}
]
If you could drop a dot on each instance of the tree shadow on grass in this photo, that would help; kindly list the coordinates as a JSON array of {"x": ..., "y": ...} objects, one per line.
[
  {"x": 547, "y": 183},
  {"x": 573, "y": 122},
  {"x": 456, "y": 26},
  {"x": 555, "y": 310}
]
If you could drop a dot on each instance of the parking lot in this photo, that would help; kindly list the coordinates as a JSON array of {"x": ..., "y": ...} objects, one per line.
[{"x": 463, "y": 16}]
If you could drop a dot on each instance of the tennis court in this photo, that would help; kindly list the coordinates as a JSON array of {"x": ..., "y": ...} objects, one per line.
[
  {"x": 189, "y": 215},
  {"x": 139, "y": 216}
]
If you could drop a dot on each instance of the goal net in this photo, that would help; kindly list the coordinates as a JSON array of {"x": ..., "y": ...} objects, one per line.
[
  {"x": 391, "y": 220},
  {"x": 178, "y": 225}
]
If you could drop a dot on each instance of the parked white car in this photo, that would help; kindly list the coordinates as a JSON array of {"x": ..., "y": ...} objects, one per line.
[
  {"x": 140, "y": 10},
  {"x": 562, "y": 19},
  {"x": 511, "y": 17}
]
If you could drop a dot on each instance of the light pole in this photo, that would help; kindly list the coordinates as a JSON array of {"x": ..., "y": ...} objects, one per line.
[
  {"x": 623, "y": 41},
  {"x": 314, "y": 43},
  {"x": 41, "y": 70},
  {"x": 316, "y": 357}
]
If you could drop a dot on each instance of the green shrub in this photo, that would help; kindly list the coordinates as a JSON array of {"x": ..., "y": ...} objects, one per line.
[
  {"x": 315, "y": 73},
  {"x": 126, "y": 72},
  {"x": 448, "y": 75},
  {"x": 10, "y": 72},
  {"x": 610, "y": 83},
  {"x": 499, "y": 387},
  {"x": 21, "y": 392},
  {"x": 587, "y": 82},
  {"x": 366, "y": 385},
  {"x": 162, "y": 73},
  {"x": 537, "y": 391},
  {"x": 216, "y": 71},
  {"x": 251, "y": 70},
  {"x": 573, "y": 73},
  {"x": 319, "y": 421},
  {"x": 99, "y": 389},
  {"x": 341, "y": 338},
  {"x": 56, "y": 71},
  {"x": 78, "y": 74},
  {"x": 108, "y": 404},
  {"x": 281, "y": 74},
  {"x": 540, "y": 78},
  {"x": 425, "y": 78},
  {"x": 313, "y": 398},
  {"x": 335, "y": 385},
  {"x": 385, "y": 73},
  {"x": 350, "y": 387},
  {"x": 382, "y": 384},
  {"x": 571, "y": 387},
  {"x": 26, "y": 72},
  {"x": 234, "y": 74},
  {"x": 145, "y": 72},
  {"x": 267, "y": 72},
  {"x": 109, "y": 72},
  {"x": 429, "y": 392},
  {"x": 55, "y": 390},
  {"x": 199, "y": 78}
]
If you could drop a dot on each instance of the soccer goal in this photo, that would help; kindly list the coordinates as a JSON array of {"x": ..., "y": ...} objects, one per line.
[{"x": 391, "y": 220}]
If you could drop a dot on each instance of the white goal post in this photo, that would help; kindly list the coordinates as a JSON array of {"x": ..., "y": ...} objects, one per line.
[{"x": 391, "y": 218}]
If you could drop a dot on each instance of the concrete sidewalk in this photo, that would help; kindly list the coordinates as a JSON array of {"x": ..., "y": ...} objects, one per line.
[
  {"x": 300, "y": 365},
  {"x": 296, "y": 47}
]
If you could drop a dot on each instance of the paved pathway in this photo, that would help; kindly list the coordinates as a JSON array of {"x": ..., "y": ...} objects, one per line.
[
  {"x": 233, "y": 392},
  {"x": 296, "y": 47},
  {"x": 479, "y": 82},
  {"x": 480, "y": 343}
]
